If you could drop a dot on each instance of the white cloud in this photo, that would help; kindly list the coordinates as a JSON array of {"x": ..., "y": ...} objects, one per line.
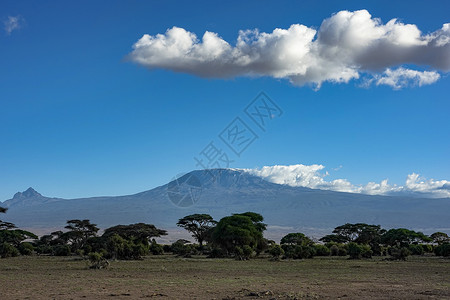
[
  {"x": 402, "y": 77},
  {"x": 312, "y": 176},
  {"x": 13, "y": 23},
  {"x": 346, "y": 45}
]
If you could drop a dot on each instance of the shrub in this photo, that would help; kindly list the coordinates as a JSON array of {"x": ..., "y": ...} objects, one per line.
[
  {"x": 399, "y": 253},
  {"x": 276, "y": 252},
  {"x": 415, "y": 249},
  {"x": 247, "y": 251},
  {"x": 334, "y": 250},
  {"x": 358, "y": 251},
  {"x": 156, "y": 249},
  {"x": 8, "y": 250},
  {"x": 442, "y": 250},
  {"x": 427, "y": 248},
  {"x": 181, "y": 248},
  {"x": 26, "y": 248},
  {"x": 217, "y": 252},
  {"x": 62, "y": 250},
  {"x": 343, "y": 250},
  {"x": 321, "y": 250},
  {"x": 97, "y": 261},
  {"x": 298, "y": 251},
  {"x": 167, "y": 248}
]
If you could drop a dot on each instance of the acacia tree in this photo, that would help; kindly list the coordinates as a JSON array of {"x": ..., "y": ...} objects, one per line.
[
  {"x": 79, "y": 232},
  {"x": 360, "y": 233},
  {"x": 296, "y": 239},
  {"x": 440, "y": 238},
  {"x": 199, "y": 225},
  {"x": 239, "y": 233},
  {"x": 140, "y": 232},
  {"x": 403, "y": 237}
]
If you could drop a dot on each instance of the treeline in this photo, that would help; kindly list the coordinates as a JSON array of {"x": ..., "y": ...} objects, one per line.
[{"x": 239, "y": 236}]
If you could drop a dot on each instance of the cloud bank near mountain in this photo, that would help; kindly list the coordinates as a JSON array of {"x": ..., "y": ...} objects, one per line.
[
  {"x": 348, "y": 45},
  {"x": 312, "y": 176}
]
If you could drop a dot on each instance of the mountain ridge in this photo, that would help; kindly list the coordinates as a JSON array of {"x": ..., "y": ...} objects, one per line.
[{"x": 220, "y": 192}]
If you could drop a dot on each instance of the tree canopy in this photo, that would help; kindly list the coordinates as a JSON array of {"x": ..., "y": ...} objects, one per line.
[
  {"x": 234, "y": 232},
  {"x": 199, "y": 225}
]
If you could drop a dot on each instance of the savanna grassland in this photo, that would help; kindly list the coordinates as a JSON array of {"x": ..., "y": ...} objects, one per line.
[{"x": 169, "y": 277}]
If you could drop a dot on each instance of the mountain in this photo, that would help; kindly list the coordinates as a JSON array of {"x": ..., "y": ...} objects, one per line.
[{"x": 220, "y": 192}]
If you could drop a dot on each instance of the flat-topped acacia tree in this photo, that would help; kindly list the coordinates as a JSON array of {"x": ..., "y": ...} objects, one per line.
[{"x": 199, "y": 225}]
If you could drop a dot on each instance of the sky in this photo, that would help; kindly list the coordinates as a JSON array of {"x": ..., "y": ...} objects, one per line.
[{"x": 118, "y": 97}]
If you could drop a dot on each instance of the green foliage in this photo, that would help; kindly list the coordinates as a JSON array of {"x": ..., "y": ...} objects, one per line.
[
  {"x": 26, "y": 248},
  {"x": 440, "y": 238},
  {"x": 415, "y": 249},
  {"x": 199, "y": 225},
  {"x": 321, "y": 250},
  {"x": 247, "y": 251},
  {"x": 296, "y": 239},
  {"x": 8, "y": 250},
  {"x": 399, "y": 253},
  {"x": 97, "y": 261},
  {"x": 15, "y": 237},
  {"x": 357, "y": 251},
  {"x": 239, "y": 230},
  {"x": 79, "y": 232},
  {"x": 167, "y": 248},
  {"x": 298, "y": 251},
  {"x": 156, "y": 249},
  {"x": 139, "y": 233},
  {"x": 333, "y": 238},
  {"x": 402, "y": 237},
  {"x": 427, "y": 248},
  {"x": 217, "y": 252},
  {"x": 443, "y": 250},
  {"x": 360, "y": 233},
  {"x": 120, "y": 248},
  {"x": 276, "y": 252},
  {"x": 62, "y": 250},
  {"x": 183, "y": 248},
  {"x": 337, "y": 249}
]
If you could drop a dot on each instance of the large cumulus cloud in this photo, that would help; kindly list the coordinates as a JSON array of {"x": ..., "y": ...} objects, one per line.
[
  {"x": 313, "y": 176},
  {"x": 347, "y": 45}
]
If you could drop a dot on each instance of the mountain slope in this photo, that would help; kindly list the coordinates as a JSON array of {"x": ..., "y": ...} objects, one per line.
[{"x": 220, "y": 192}]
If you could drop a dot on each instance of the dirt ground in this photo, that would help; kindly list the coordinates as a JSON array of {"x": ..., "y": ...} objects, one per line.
[{"x": 168, "y": 277}]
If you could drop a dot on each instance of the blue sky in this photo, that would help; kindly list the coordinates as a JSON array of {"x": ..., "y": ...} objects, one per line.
[{"x": 79, "y": 118}]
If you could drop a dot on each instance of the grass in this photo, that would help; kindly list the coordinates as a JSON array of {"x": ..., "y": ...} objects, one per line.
[{"x": 169, "y": 277}]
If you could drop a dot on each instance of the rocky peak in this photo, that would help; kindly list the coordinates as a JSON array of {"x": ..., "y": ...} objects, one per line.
[{"x": 29, "y": 193}]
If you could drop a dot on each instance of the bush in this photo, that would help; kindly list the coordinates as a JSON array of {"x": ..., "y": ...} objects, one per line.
[
  {"x": 427, "y": 248},
  {"x": 442, "y": 250},
  {"x": 8, "y": 250},
  {"x": 399, "y": 253},
  {"x": 97, "y": 261},
  {"x": 156, "y": 249},
  {"x": 217, "y": 252},
  {"x": 334, "y": 250},
  {"x": 298, "y": 251},
  {"x": 415, "y": 249},
  {"x": 358, "y": 251},
  {"x": 26, "y": 248},
  {"x": 321, "y": 250},
  {"x": 181, "y": 248},
  {"x": 247, "y": 251},
  {"x": 337, "y": 249},
  {"x": 62, "y": 250},
  {"x": 167, "y": 248},
  {"x": 276, "y": 252}
]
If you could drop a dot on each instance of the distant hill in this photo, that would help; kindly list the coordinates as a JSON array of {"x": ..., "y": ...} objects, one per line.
[{"x": 220, "y": 192}]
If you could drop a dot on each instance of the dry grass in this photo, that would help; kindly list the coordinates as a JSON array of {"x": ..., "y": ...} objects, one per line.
[{"x": 168, "y": 277}]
